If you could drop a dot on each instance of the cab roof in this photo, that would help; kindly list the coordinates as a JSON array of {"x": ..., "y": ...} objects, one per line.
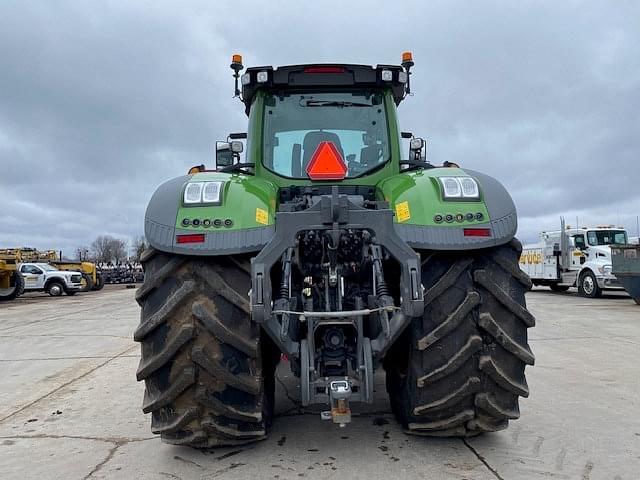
[{"x": 323, "y": 76}]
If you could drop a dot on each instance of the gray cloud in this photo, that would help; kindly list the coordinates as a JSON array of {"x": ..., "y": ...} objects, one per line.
[{"x": 101, "y": 103}]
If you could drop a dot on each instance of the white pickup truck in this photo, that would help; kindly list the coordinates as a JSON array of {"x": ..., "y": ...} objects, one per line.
[{"x": 47, "y": 278}]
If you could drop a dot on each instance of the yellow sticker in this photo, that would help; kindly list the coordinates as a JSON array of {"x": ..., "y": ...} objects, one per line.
[
  {"x": 262, "y": 216},
  {"x": 402, "y": 211}
]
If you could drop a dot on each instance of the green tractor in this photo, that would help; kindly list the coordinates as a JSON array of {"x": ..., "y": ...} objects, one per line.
[{"x": 326, "y": 246}]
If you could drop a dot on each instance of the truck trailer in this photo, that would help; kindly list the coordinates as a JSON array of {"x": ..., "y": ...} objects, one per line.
[{"x": 574, "y": 257}]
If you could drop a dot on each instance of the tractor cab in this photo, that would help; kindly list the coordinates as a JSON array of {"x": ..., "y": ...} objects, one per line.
[{"x": 321, "y": 122}]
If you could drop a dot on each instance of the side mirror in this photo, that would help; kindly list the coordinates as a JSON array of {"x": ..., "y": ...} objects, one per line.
[{"x": 225, "y": 156}]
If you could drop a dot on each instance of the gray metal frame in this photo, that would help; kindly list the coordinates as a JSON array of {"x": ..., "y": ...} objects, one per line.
[{"x": 334, "y": 212}]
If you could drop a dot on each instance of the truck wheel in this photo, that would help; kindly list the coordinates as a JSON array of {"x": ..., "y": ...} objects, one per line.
[
  {"x": 588, "y": 285},
  {"x": 99, "y": 285},
  {"x": 16, "y": 287},
  {"x": 558, "y": 288},
  {"x": 86, "y": 282},
  {"x": 55, "y": 289},
  {"x": 459, "y": 369},
  {"x": 208, "y": 372}
]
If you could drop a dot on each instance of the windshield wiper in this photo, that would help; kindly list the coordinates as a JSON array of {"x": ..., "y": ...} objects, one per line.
[{"x": 332, "y": 103}]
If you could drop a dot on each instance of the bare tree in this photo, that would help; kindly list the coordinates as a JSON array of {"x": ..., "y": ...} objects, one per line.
[
  {"x": 119, "y": 249},
  {"x": 101, "y": 248},
  {"x": 139, "y": 246},
  {"x": 108, "y": 249},
  {"x": 82, "y": 253}
]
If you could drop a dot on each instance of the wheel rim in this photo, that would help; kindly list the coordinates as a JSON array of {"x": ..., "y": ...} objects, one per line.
[
  {"x": 587, "y": 285},
  {"x": 55, "y": 290},
  {"x": 5, "y": 292},
  {"x": 13, "y": 285}
]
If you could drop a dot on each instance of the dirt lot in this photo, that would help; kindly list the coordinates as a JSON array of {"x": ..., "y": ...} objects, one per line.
[{"x": 70, "y": 406}]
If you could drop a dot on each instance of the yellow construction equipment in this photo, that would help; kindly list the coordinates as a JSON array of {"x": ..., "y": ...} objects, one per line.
[
  {"x": 11, "y": 282},
  {"x": 91, "y": 278}
]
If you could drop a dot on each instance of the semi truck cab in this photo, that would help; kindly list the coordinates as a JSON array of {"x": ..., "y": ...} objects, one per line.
[{"x": 574, "y": 257}]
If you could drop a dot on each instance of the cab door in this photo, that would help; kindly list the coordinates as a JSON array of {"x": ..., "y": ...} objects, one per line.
[
  {"x": 578, "y": 255},
  {"x": 33, "y": 276}
]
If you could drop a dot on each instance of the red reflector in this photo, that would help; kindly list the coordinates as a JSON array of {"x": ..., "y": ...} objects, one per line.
[
  {"x": 477, "y": 232},
  {"x": 324, "y": 70},
  {"x": 190, "y": 238},
  {"x": 326, "y": 163}
]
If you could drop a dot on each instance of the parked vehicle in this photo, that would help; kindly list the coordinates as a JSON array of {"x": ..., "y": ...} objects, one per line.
[
  {"x": 574, "y": 257},
  {"x": 326, "y": 245},
  {"x": 11, "y": 282},
  {"x": 47, "y": 278},
  {"x": 626, "y": 267},
  {"x": 91, "y": 278}
]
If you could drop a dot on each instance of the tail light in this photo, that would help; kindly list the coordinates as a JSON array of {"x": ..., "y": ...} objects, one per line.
[
  {"x": 324, "y": 69},
  {"x": 190, "y": 238},
  {"x": 477, "y": 232}
]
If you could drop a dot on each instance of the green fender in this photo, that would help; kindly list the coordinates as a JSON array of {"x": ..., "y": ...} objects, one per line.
[
  {"x": 422, "y": 214},
  {"x": 243, "y": 222}
]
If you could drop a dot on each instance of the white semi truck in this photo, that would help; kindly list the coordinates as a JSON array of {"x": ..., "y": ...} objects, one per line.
[{"x": 574, "y": 257}]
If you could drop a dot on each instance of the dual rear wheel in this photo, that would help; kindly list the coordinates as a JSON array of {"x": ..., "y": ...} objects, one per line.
[{"x": 209, "y": 370}]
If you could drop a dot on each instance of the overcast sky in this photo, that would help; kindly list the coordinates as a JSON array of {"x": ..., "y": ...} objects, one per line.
[{"x": 100, "y": 102}]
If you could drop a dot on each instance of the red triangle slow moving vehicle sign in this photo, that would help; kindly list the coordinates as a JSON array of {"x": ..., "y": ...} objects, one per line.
[{"x": 326, "y": 163}]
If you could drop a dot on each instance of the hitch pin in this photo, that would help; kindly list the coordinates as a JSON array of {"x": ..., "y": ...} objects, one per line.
[{"x": 339, "y": 392}]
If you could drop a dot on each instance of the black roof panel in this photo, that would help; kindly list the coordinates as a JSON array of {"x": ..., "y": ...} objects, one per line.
[{"x": 322, "y": 75}]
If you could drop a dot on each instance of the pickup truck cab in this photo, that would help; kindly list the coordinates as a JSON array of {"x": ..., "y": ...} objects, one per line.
[{"x": 47, "y": 278}]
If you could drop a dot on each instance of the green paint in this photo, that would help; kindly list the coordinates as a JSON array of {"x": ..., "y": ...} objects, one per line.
[
  {"x": 421, "y": 190},
  {"x": 242, "y": 196}
]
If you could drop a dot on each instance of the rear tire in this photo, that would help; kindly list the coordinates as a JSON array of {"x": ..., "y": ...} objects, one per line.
[
  {"x": 87, "y": 282},
  {"x": 459, "y": 369},
  {"x": 99, "y": 285},
  {"x": 558, "y": 288},
  {"x": 209, "y": 376},
  {"x": 16, "y": 287}
]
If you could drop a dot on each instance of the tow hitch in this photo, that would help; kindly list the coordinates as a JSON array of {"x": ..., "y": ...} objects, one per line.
[{"x": 340, "y": 413}]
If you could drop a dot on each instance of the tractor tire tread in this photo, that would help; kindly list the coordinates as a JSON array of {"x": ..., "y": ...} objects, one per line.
[
  {"x": 465, "y": 357},
  {"x": 202, "y": 357}
]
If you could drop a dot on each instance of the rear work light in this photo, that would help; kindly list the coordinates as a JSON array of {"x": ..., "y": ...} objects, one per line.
[
  {"x": 190, "y": 238},
  {"x": 321, "y": 69},
  {"x": 326, "y": 163},
  {"x": 477, "y": 232}
]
